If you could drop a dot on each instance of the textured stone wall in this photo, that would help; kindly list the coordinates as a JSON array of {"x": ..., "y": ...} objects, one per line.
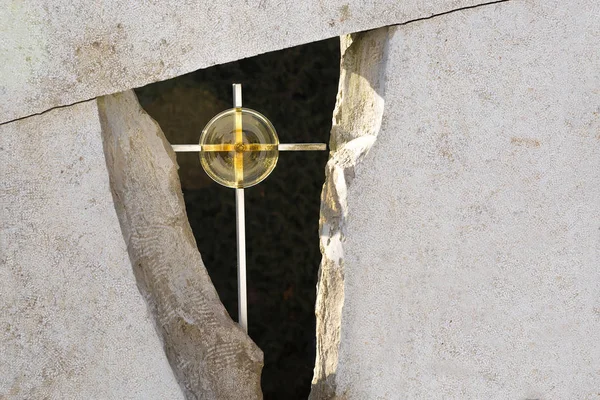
[
  {"x": 460, "y": 213},
  {"x": 461, "y": 230},
  {"x": 62, "y": 51},
  {"x": 72, "y": 321}
]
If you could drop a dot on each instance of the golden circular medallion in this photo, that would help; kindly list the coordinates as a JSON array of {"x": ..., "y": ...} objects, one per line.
[{"x": 239, "y": 148}]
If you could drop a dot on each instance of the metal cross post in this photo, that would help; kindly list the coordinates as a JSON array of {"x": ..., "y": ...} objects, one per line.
[{"x": 239, "y": 147}]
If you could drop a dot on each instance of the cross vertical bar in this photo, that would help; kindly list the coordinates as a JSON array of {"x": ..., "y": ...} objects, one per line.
[
  {"x": 241, "y": 258},
  {"x": 240, "y": 219}
]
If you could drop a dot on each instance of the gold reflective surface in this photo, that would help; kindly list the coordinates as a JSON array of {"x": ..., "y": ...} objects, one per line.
[{"x": 239, "y": 148}]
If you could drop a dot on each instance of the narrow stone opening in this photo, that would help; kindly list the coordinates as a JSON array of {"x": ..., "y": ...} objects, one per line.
[{"x": 296, "y": 89}]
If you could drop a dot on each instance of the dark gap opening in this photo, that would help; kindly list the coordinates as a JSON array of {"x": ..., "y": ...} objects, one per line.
[{"x": 296, "y": 89}]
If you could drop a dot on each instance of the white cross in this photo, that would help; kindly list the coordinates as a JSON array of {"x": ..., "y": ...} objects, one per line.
[{"x": 239, "y": 192}]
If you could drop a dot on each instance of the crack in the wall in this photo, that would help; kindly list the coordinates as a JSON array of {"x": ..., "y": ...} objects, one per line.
[
  {"x": 45, "y": 111},
  {"x": 450, "y": 12},
  {"x": 210, "y": 354}
]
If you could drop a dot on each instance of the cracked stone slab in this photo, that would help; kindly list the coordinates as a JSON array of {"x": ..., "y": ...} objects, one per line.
[
  {"x": 62, "y": 51},
  {"x": 212, "y": 356},
  {"x": 73, "y": 323},
  {"x": 464, "y": 257}
]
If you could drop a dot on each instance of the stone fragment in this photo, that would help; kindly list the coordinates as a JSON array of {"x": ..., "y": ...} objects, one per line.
[
  {"x": 356, "y": 122},
  {"x": 211, "y": 355},
  {"x": 73, "y": 324},
  {"x": 57, "y": 52},
  {"x": 469, "y": 247}
]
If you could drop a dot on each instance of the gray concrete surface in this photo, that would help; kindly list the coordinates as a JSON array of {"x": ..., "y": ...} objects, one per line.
[
  {"x": 468, "y": 237},
  {"x": 73, "y": 324},
  {"x": 59, "y": 52}
]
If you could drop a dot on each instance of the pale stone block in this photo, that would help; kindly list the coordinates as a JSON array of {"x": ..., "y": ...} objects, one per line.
[
  {"x": 73, "y": 324},
  {"x": 57, "y": 52},
  {"x": 467, "y": 240}
]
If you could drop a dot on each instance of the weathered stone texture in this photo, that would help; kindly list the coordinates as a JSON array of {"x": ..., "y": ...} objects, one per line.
[
  {"x": 212, "y": 357},
  {"x": 356, "y": 122},
  {"x": 73, "y": 324},
  {"x": 62, "y": 51},
  {"x": 470, "y": 251}
]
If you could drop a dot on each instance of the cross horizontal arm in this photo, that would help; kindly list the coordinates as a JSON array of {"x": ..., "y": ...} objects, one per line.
[
  {"x": 186, "y": 148},
  {"x": 302, "y": 146}
]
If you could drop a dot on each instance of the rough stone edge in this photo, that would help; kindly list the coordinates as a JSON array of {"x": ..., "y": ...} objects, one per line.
[
  {"x": 210, "y": 354},
  {"x": 356, "y": 122}
]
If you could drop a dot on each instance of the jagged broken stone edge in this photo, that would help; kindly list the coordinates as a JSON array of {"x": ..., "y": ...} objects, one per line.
[
  {"x": 356, "y": 122},
  {"x": 211, "y": 355}
]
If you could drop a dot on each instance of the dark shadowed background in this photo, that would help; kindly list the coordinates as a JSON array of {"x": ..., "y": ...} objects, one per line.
[{"x": 296, "y": 89}]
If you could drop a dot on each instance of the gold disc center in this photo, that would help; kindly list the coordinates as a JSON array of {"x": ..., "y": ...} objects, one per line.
[{"x": 239, "y": 147}]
